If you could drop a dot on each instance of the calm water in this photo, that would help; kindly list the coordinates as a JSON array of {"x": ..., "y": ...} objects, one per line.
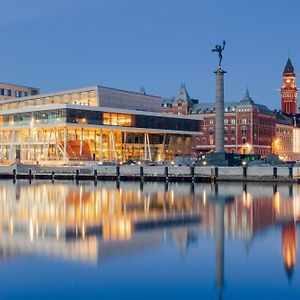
[{"x": 150, "y": 241}]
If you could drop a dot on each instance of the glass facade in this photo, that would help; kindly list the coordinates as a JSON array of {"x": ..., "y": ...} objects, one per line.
[
  {"x": 69, "y": 133},
  {"x": 80, "y": 116},
  {"x": 87, "y": 98}
]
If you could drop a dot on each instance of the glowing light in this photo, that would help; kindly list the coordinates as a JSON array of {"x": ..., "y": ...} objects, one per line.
[{"x": 277, "y": 202}]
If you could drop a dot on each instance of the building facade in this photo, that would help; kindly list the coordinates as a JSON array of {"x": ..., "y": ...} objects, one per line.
[
  {"x": 97, "y": 123},
  {"x": 9, "y": 91},
  {"x": 248, "y": 127}
]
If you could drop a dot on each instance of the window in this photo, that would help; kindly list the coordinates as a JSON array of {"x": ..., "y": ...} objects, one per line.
[
  {"x": 244, "y": 130},
  {"x": 2, "y": 91},
  {"x": 211, "y": 122},
  {"x": 225, "y": 121},
  {"x": 232, "y": 130},
  {"x": 232, "y": 121},
  {"x": 9, "y": 93}
]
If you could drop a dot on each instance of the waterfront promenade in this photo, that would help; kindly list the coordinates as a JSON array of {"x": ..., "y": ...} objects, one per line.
[{"x": 152, "y": 173}]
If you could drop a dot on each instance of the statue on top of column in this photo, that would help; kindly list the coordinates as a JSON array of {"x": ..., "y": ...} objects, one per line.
[{"x": 219, "y": 49}]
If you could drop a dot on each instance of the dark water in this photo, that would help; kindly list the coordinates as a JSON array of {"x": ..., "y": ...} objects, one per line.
[{"x": 150, "y": 241}]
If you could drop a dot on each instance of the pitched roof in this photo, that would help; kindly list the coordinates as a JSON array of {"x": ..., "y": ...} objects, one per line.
[
  {"x": 283, "y": 119},
  {"x": 205, "y": 108},
  {"x": 183, "y": 95},
  {"x": 247, "y": 99},
  {"x": 289, "y": 69}
]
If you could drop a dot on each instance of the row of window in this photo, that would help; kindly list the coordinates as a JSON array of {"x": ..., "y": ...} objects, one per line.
[
  {"x": 10, "y": 93},
  {"x": 285, "y": 131},
  {"x": 87, "y": 98},
  {"x": 211, "y": 141},
  {"x": 226, "y": 121},
  {"x": 226, "y": 129},
  {"x": 79, "y": 116}
]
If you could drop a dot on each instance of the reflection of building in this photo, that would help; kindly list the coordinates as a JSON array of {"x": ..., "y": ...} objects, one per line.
[
  {"x": 95, "y": 123},
  {"x": 82, "y": 221},
  {"x": 289, "y": 247},
  {"x": 244, "y": 217}
]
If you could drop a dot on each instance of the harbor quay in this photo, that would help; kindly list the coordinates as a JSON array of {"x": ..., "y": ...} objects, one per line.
[{"x": 153, "y": 173}]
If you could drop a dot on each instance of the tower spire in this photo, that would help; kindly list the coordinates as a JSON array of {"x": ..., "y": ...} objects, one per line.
[
  {"x": 289, "y": 69},
  {"x": 289, "y": 90}
]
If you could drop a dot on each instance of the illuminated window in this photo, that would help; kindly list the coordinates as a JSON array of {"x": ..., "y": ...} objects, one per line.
[{"x": 117, "y": 119}]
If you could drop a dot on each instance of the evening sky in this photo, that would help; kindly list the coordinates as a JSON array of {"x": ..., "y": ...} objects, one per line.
[{"x": 158, "y": 44}]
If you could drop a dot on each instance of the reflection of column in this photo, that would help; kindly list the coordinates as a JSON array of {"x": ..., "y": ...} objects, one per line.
[
  {"x": 289, "y": 247},
  {"x": 291, "y": 192},
  {"x": 219, "y": 237}
]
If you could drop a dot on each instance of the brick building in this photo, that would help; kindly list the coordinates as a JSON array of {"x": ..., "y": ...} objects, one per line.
[{"x": 248, "y": 127}]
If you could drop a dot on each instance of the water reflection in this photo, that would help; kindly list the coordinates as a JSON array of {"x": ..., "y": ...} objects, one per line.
[{"x": 90, "y": 223}]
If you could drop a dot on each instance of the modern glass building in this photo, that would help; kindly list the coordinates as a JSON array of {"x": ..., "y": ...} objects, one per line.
[{"x": 98, "y": 123}]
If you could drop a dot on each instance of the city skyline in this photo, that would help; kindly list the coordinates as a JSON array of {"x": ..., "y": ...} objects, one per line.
[{"x": 58, "y": 46}]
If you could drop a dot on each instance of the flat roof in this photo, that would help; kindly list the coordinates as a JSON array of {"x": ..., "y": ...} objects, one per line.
[
  {"x": 19, "y": 85},
  {"x": 126, "y": 91},
  {"x": 84, "y": 89}
]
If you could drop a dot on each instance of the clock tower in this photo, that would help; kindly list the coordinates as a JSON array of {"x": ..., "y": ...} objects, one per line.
[{"x": 289, "y": 90}]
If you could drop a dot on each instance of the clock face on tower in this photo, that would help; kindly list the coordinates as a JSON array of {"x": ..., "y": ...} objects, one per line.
[{"x": 288, "y": 80}]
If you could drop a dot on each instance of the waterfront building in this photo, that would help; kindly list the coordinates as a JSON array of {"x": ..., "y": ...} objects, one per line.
[
  {"x": 179, "y": 105},
  {"x": 284, "y": 142},
  {"x": 8, "y": 91},
  {"x": 248, "y": 127},
  {"x": 97, "y": 123}
]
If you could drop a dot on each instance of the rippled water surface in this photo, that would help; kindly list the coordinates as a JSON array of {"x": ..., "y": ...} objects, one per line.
[{"x": 148, "y": 241}]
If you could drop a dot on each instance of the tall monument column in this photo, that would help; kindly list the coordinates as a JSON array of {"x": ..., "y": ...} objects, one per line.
[{"x": 219, "y": 113}]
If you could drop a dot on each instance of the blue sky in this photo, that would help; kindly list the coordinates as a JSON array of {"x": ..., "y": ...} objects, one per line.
[{"x": 158, "y": 44}]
